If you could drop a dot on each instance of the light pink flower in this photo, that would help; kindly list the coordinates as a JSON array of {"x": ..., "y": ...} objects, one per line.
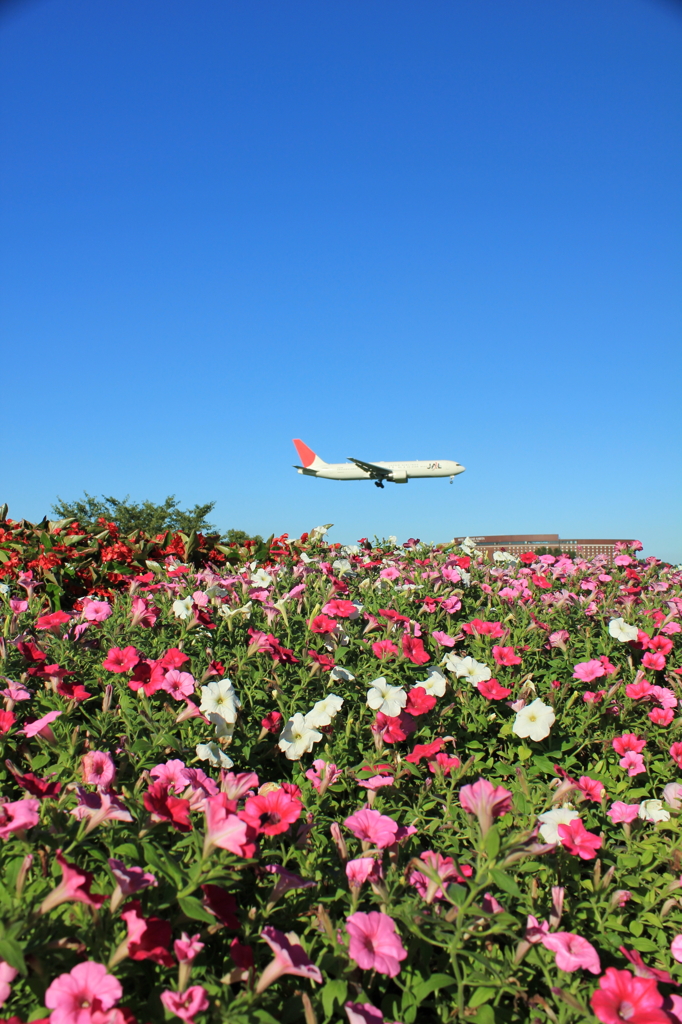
[
  {"x": 361, "y": 869},
  {"x": 16, "y": 815},
  {"x": 98, "y": 769},
  {"x": 374, "y": 943},
  {"x": 96, "y": 611},
  {"x": 443, "y": 638},
  {"x": 536, "y": 930},
  {"x": 186, "y": 1005},
  {"x": 290, "y": 958},
  {"x": 363, "y": 1013},
  {"x": 142, "y": 613},
  {"x": 236, "y": 786},
  {"x": 485, "y": 801},
  {"x": 372, "y": 827},
  {"x": 620, "y": 812},
  {"x": 173, "y": 774},
  {"x": 7, "y": 976},
  {"x": 376, "y": 782},
  {"x": 443, "y": 867},
  {"x": 186, "y": 947},
  {"x": 323, "y": 775},
  {"x": 33, "y": 728},
  {"x": 672, "y": 794},
  {"x": 676, "y": 948},
  {"x": 588, "y": 671},
  {"x": 633, "y": 762},
  {"x": 572, "y": 951},
  {"x": 81, "y": 996},
  {"x": 179, "y": 684}
]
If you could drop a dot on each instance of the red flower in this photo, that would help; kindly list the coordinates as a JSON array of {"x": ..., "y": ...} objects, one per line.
[
  {"x": 221, "y": 904},
  {"x": 7, "y": 720},
  {"x": 578, "y": 841},
  {"x": 52, "y": 621},
  {"x": 322, "y": 624},
  {"x": 163, "y": 807},
  {"x": 30, "y": 651},
  {"x": 42, "y": 788},
  {"x": 384, "y": 649},
  {"x": 325, "y": 662},
  {"x": 271, "y": 813},
  {"x": 621, "y": 997},
  {"x": 528, "y": 557},
  {"x": 676, "y": 754},
  {"x": 427, "y": 750},
  {"x": 344, "y": 609},
  {"x": 541, "y": 581},
  {"x": 419, "y": 702},
  {"x": 394, "y": 730},
  {"x": 413, "y": 649},
  {"x": 628, "y": 741},
  {"x": 272, "y": 721},
  {"x": 491, "y": 689},
  {"x": 148, "y": 676},
  {"x": 392, "y": 616},
  {"x": 121, "y": 659},
  {"x": 445, "y": 763},
  {"x": 505, "y": 655},
  {"x": 148, "y": 938},
  {"x": 478, "y": 626},
  {"x": 173, "y": 658}
]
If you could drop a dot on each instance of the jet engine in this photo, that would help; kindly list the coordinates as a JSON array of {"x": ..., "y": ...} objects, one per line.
[{"x": 399, "y": 476}]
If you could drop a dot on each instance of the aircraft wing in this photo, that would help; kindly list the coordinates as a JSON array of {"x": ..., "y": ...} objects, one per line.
[{"x": 376, "y": 472}]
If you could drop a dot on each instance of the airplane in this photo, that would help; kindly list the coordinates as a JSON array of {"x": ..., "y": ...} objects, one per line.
[{"x": 394, "y": 472}]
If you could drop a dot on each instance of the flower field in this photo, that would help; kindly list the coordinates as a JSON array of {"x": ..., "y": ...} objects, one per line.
[{"x": 302, "y": 782}]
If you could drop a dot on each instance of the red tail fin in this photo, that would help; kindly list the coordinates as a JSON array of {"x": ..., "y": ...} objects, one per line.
[{"x": 305, "y": 454}]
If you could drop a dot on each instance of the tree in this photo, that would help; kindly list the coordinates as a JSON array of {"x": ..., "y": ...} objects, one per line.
[{"x": 130, "y": 516}]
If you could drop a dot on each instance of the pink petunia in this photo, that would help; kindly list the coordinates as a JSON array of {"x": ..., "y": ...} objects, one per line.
[
  {"x": 37, "y": 727},
  {"x": 485, "y": 801},
  {"x": 186, "y": 1005},
  {"x": 491, "y": 690},
  {"x": 628, "y": 742},
  {"x": 374, "y": 943},
  {"x": 82, "y": 996},
  {"x": 363, "y": 1013},
  {"x": 7, "y": 976},
  {"x": 290, "y": 958},
  {"x": 676, "y": 754},
  {"x": 98, "y": 769},
  {"x": 443, "y": 867},
  {"x": 654, "y": 660},
  {"x": 588, "y": 671},
  {"x": 18, "y": 815},
  {"x": 371, "y": 827},
  {"x": 622, "y": 997},
  {"x": 361, "y": 869},
  {"x": 572, "y": 952},
  {"x": 121, "y": 659},
  {"x": 179, "y": 684},
  {"x": 96, "y": 611},
  {"x": 634, "y": 763},
  {"x": 187, "y": 948},
  {"x": 505, "y": 655},
  {"x": 384, "y": 649},
  {"x": 443, "y": 638},
  {"x": 591, "y": 789},
  {"x": 620, "y": 812}
]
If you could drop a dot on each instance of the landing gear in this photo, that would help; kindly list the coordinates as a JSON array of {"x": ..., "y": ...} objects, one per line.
[
  {"x": 378, "y": 483},
  {"x": 451, "y": 479}
]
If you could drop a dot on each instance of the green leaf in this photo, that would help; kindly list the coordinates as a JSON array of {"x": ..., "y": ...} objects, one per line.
[
  {"x": 12, "y": 953},
  {"x": 156, "y": 858},
  {"x": 506, "y": 882},
  {"x": 481, "y": 995},
  {"x": 432, "y": 984},
  {"x": 492, "y": 842},
  {"x": 192, "y": 907},
  {"x": 486, "y": 1015},
  {"x": 334, "y": 991}
]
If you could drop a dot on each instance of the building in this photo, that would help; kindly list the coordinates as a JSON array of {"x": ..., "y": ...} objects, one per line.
[{"x": 518, "y": 544}]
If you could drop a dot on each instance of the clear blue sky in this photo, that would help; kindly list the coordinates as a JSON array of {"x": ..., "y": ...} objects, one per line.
[{"x": 442, "y": 229}]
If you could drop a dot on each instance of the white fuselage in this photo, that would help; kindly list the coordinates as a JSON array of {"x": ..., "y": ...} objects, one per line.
[{"x": 397, "y": 472}]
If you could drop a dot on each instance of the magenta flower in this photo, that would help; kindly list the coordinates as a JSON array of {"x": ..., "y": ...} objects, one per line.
[
  {"x": 628, "y": 742},
  {"x": 98, "y": 769},
  {"x": 443, "y": 867},
  {"x": 372, "y": 827},
  {"x": 131, "y": 880},
  {"x": 363, "y": 1013},
  {"x": 374, "y": 943},
  {"x": 290, "y": 958},
  {"x": 535, "y": 930},
  {"x": 17, "y": 815},
  {"x": 485, "y": 801},
  {"x": 620, "y": 812},
  {"x": 323, "y": 775},
  {"x": 572, "y": 951},
  {"x": 186, "y": 1005},
  {"x": 121, "y": 659},
  {"x": 505, "y": 655},
  {"x": 591, "y": 789},
  {"x": 82, "y": 996}
]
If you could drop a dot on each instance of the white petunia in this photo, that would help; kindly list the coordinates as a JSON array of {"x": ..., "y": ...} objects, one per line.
[
  {"x": 261, "y": 578},
  {"x": 324, "y": 711},
  {"x": 338, "y": 673},
  {"x": 219, "y": 698},
  {"x": 549, "y": 830},
  {"x": 182, "y": 608},
  {"x": 318, "y": 532},
  {"x": 298, "y": 738},
  {"x": 342, "y": 565},
  {"x": 226, "y": 612},
  {"x": 223, "y": 729},
  {"x": 212, "y": 753},
  {"x": 653, "y": 810},
  {"x": 535, "y": 720},
  {"x": 619, "y": 630},
  {"x": 434, "y": 683},
  {"x": 467, "y": 668},
  {"x": 390, "y": 700}
]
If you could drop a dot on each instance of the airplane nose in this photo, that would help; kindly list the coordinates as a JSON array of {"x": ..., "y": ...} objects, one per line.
[{"x": 461, "y": 469}]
